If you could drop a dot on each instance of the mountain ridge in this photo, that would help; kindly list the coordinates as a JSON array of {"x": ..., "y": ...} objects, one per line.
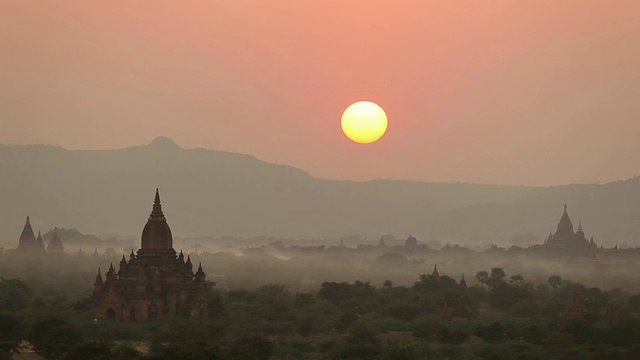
[{"x": 216, "y": 193}]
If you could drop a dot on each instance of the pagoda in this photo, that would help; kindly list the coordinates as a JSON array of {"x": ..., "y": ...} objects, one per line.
[{"x": 153, "y": 282}]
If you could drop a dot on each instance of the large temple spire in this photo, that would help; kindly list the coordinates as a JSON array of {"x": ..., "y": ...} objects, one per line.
[
  {"x": 565, "y": 227},
  {"x": 27, "y": 238},
  {"x": 156, "y": 235}
]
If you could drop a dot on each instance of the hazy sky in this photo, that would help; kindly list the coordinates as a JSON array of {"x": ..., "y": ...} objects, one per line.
[{"x": 508, "y": 92}]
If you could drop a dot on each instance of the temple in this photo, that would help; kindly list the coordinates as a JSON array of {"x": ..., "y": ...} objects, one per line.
[
  {"x": 55, "y": 244},
  {"x": 153, "y": 282},
  {"x": 435, "y": 274},
  {"x": 566, "y": 239},
  {"x": 32, "y": 245},
  {"x": 27, "y": 242}
]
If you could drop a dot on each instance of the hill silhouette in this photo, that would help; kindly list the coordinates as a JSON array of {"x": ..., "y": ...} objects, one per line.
[{"x": 215, "y": 193}]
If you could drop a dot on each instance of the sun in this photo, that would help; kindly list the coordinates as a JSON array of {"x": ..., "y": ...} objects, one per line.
[{"x": 364, "y": 122}]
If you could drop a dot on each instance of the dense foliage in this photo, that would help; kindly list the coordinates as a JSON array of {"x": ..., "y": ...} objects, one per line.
[{"x": 506, "y": 317}]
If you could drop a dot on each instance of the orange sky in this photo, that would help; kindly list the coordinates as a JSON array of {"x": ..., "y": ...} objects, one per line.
[{"x": 538, "y": 92}]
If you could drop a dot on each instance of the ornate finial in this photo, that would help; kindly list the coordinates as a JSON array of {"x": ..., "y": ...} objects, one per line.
[{"x": 157, "y": 214}]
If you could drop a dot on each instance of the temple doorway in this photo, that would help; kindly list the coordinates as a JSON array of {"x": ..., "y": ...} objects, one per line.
[{"x": 111, "y": 314}]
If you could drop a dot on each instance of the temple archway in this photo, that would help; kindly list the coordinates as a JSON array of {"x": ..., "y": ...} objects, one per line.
[
  {"x": 152, "y": 311},
  {"x": 111, "y": 314}
]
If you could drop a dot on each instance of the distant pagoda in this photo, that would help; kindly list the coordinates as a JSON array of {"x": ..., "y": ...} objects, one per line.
[
  {"x": 55, "y": 244},
  {"x": 32, "y": 245},
  {"x": 152, "y": 283},
  {"x": 566, "y": 239},
  {"x": 27, "y": 242}
]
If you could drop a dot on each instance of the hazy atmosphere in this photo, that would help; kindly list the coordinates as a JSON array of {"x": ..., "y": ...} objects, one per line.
[
  {"x": 329, "y": 180},
  {"x": 526, "y": 93}
]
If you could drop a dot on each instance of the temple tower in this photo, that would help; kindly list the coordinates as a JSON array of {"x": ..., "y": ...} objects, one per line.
[
  {"x": 435, "y": 274},
  {"x": 55, "y": 244},
  {"x": 27, "y": 240},
  {"x": 565, "y": 227},
  {"x": 154, "y": 282}
]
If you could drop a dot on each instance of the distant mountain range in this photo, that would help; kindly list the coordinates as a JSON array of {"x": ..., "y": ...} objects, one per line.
[{"x": 213, "y": 193}]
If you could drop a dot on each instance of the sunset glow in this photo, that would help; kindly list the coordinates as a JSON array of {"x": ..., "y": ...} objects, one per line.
[{"x": 364, "y": 122}]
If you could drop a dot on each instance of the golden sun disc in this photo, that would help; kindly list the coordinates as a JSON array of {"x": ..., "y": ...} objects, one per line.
[{"x": 364, "y": 122}]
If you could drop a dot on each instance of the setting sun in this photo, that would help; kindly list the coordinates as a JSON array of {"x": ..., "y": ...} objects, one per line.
[{"x": 364, "y": 122}]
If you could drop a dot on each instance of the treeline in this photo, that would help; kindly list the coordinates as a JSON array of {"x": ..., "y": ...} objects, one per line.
[{"x": 506, "y": 317}]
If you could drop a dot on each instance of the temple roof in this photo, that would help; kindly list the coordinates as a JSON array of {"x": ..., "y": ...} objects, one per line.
[
  {"x": 55, "y": 244},
  {"x": 39, "y": 244},
  {"x": 156, "y": 234},
  {"x": 200, "y": 272},
  {"x": 27, "y": 238},
  {"x": 565, "y": 227}
]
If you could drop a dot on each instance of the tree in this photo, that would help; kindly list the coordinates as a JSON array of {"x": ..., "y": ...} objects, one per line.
[
  {"x": 525, "y": 308},
  {"x": 517, "y": 280},
  {"x": 11, "y": 332},
  {"x": 491, "y": 333},
  {"x": 404, "y": 350},
  {"x": 554, "y": 281},
  {"x": 346, "y": 321},
  {"x": 451, "y": 335},
  {"x": 634, "y": 302},
  {"x": 359, "y": 297},
  {"x": 497, "y": 273},
  {"x": 14, "y": 294},
  {"x": 482, "y": 277},
  {"x": 53, "y": 336},
  {"x": 387, "y": 284},
  {"x": 250, "y": 348},
  {"x": 303, "y": 300},
  {"x": 404, "y": 312},
  {"x": 497, "y": 277},
  {"x": 503, "y": 296},
  {"x": 215, "y": 307},
  {"x": 362, "y": 334}
]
